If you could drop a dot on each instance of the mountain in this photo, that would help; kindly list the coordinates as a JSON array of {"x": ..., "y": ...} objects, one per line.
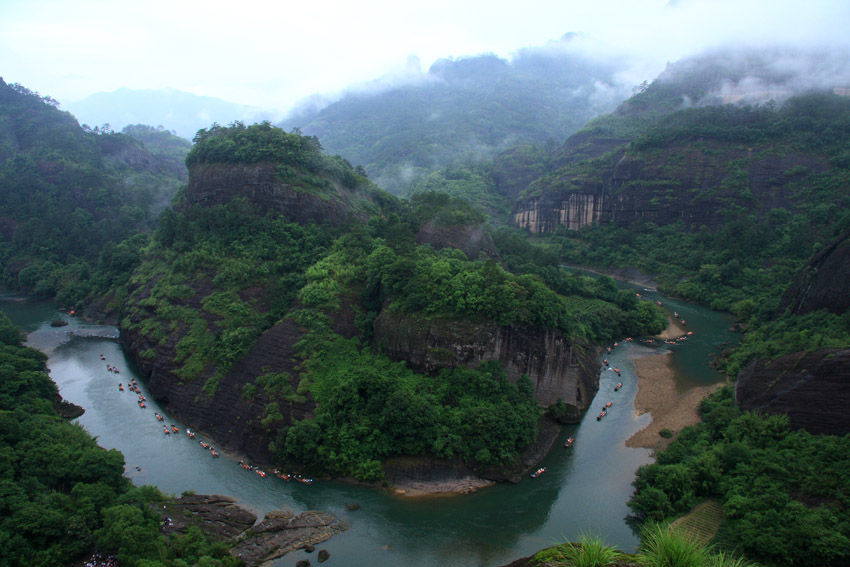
[
  {"x": 464, "y": 109},
  {"x": 286, "y": 306},
  {"x": 67, "y": 194},
  {"x": 726, "y": 201},
  {"x": 178, "y": 111}
]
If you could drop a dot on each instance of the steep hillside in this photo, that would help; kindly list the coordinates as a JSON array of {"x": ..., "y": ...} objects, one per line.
[
  {"x": 464, "y": 109},
  {"x": 281, "y": 336},
  {"x": 725, "y": 202},
  {"x": 68, "y": 193}
]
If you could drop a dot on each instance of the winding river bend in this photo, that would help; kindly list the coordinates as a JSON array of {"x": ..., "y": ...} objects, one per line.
[{"x": 584, "y": 489}]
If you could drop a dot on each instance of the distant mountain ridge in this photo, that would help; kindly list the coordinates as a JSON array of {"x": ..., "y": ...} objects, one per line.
[
  {"x": 183, "y": 112},
  {"x": 465, "y": 109}
]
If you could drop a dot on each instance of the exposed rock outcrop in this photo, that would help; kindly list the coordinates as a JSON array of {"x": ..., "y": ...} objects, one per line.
[
  {"x": 680, "y": 183},
  {"x": 231, "y": 418},
  {"x": 824, "y": 283},
  {"x": 280, "y": 532},
  {"x": 216, "y": 515},
  {"x": 812, "y": 388},
  {"x": 261, "y": 183},
  {"x": 558, "y": 368}
]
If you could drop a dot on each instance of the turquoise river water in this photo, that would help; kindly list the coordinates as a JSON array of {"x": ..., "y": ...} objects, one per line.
[{"x": 584, "y": 489}]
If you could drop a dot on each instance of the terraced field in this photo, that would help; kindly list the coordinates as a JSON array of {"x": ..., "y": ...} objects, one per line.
[{"x": 702, "y": 522}]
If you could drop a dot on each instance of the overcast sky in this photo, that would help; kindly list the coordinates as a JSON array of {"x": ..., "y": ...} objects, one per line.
[{"x": 272, "y": 53}]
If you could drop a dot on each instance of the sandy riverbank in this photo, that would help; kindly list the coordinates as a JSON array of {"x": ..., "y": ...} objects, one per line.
[
  {"x": 438, "y": 488},
  {"x": 670, "y": 408},
  {"x": 674, "y": 329}
]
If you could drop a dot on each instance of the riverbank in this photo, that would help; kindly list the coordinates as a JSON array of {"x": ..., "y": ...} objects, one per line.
[
  {"x": 418, "y": 477},
  {"x": 658, "y": 395},
  {"x": 630, "y": 275}
]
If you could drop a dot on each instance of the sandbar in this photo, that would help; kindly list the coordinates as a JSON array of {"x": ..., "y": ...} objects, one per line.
[{"x": 669, "y": 407}]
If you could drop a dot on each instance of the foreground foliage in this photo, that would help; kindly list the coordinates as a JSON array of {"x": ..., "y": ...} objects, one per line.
[
  {"x": 785, "y": 493},
  {"x": 661, "y": 545}
]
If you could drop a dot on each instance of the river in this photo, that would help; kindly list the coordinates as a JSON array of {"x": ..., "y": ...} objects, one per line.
[{"x": 584, "y": 489}]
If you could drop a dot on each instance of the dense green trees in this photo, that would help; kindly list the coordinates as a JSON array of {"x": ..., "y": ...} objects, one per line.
[
  {"x": 66, "y": 192},
  {"x": 746, "y": 262},
  {"x": 61, "y": 495},
  {"x": 255, "y": 269},
  {"x": 370, "y": 408},
  {"x": 784, "y": 492}
]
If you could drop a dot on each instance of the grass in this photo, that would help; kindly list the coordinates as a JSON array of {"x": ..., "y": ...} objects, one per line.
[
  {"x": 591, "y": 551},
  {"x": 665, "y": 546},
  {"x": 662, "y": 545}
]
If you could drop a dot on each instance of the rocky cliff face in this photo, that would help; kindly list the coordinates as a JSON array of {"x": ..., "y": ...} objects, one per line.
[
  {"x": 232, "y": 419},
  {"x": 472, "y": 240},
  {"x": 812, "y": 388},
  {"x": 824, "y": 282},
  {"x": 558, "y": 368},
  {"x": 681, "y": 182},
  {"x": 211, "y": 184}
]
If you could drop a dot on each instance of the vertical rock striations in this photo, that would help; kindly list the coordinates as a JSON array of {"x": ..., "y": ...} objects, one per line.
[
  {"x": 558, "y": 368},
  {"x": 685, "y": 182}
]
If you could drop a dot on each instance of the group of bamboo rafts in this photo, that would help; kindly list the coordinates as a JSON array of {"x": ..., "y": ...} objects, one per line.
[
  {"x": 133, "y": 386},
  {"x": 570, "y": 441},
  {"x": 278, "y": 473}
]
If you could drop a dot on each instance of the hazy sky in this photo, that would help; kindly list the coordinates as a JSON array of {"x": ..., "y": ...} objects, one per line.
[{"x": 273, "y": 53}]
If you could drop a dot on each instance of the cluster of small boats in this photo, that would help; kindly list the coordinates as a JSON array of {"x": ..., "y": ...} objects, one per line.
[
  {"x": 538, "y": 472},
  {"x": 133, "y": 386},
  {"x": 278, "y": 473},
  {"x": 604, "y": 411}
]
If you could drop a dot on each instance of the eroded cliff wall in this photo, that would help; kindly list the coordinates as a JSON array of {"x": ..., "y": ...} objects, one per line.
[
  {"x": 825, "y": 281},
  {"x": 263, "y": 184},
  {"x": 231, "y": 415},
  {"x": 810, "y": 387},
  {"x": 690, "y": 183},
  {"x": 558, "y": 368}
]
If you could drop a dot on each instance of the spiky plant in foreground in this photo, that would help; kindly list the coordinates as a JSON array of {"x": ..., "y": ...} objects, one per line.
[
  {"x": 663, "y": 546},
  {"x": 591, "y": 551}
]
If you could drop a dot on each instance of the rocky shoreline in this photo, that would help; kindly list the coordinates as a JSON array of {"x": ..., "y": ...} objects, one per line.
[
  {"x": 418, "y": 477},
  {"x": 279, "y": 533}
]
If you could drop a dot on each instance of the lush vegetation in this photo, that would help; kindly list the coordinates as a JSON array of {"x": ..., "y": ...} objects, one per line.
[
  {"x": 463, "y": 111},
  {"x": 61, "y": 495},
  {"x": 163, "y": 143},
  {"x": 214, "y": 278},
  {"x": 234, "y": 249},
  {"x": 471, "y": 182},
  {"x": 661, "y": 545},
  {"x": 744, "y": 264},
  {"x": 370, "y": 408},
  {"x": 69, "y": 194},
  {"x": 784, "y": 492}
]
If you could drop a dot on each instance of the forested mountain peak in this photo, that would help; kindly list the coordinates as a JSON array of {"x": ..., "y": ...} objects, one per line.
[
  {"x": 464, "y": 109},
  {"x": 284, "y": 172},
  {"x": 67, "y": 193}
]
